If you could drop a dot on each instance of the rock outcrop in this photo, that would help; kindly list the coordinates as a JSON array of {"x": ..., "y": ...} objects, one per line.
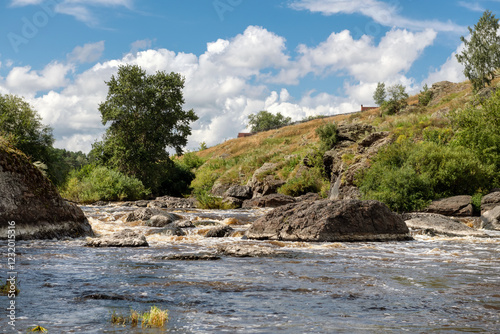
[
  {"x": 31, "y": 201},
  {"x": 263, "y": 181},
  {"x": 490, "y": 201},
  {"x": 490, "y": 220},
  {"x": 457, "y": 206},
  {"x": 325, "y": 220}
]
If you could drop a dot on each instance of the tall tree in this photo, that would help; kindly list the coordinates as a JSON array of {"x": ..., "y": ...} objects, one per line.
[
  {"x": 481, "y": 56},
  {"x": 379, "y": 95},
  {"x": 146, "y": 116},
  {"x": 23, "y": 128},
  {"x": 264, "y": 120}
]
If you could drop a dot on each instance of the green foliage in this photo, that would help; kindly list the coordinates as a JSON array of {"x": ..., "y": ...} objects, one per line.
[
  {"x": 478, "y": 129},
  {"x": 425, "y": 96},
  {"x": 398, "y": 98},
  {"x": 191, "y": 160},
  {"x": 211, "y": 202},
  {"x": 327, "y": 134},
  {"x": 203, "y": 146},
  {"x": 91, "y": 184},
  {"x": 146, "y": 116},
  {"x": 407, "y": 175},
  {"x": 481, "y": 56},
  {"x": 309, "y": 180},
  {"x": 380, "y": 95},
  {"x": 264, "y": 121}
]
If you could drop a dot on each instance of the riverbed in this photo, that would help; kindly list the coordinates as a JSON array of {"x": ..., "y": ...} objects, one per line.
[{"x": 429, "y": 285}]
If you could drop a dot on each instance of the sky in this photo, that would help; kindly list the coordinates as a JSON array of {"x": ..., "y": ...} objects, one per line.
[{"x": 298, "y": 57}]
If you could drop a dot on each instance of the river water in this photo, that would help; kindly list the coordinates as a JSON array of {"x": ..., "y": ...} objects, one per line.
[{"x": 430, "y": 285}]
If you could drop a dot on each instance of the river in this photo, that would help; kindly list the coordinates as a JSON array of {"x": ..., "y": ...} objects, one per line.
[{"x": 429, "y": 285}]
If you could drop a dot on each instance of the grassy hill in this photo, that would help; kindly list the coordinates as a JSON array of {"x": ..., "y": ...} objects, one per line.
[{"x": 417, "y": 128}]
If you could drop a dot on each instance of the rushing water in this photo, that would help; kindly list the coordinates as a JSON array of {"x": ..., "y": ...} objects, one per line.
[{"x": 430, "y": 285}]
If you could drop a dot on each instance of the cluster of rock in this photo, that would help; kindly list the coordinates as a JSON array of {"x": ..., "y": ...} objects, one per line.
[
  {"x": 31, "y": 203},
  {"x": 453, "y": 216}
]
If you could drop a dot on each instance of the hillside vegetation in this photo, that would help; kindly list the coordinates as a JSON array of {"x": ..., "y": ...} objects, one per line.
[{"x": 450, "y": 146}]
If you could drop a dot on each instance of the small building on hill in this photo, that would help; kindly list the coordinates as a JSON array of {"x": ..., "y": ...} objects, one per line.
[
  {"x": 244, "y": 134},
  {"x": 363, "y": 108}
]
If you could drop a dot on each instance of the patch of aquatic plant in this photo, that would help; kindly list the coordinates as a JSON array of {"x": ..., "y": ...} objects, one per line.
[
  {"x": 38, "y": 329},
  {"x": 9, "y": 288},
  {"x": 155, "y": 318}
]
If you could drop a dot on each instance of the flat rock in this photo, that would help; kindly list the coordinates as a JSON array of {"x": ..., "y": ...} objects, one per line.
[
  {"x": 457, "y": 206},
  {"x": 125, "y": 238},
  {"x": 251, "y": 250},
  {"x": 237, "y": 191},
  {"x": 330, "y": 221},
  {"x": 436, "y": 224},
  {"x": 162, "y": 220}
]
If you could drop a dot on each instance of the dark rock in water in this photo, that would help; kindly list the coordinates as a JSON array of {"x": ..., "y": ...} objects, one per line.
[
  {"x": 141, "y": 203},
  {"x": 251, "y": 250},
  {"x": 173, "y": 231},
  {"x": 146, "y": 214},
  {"x": 31, "y": 202},
  {"x": 191, "y": 257},
  {"x": 103, "y": 296},
  {"x": 184, "y": 224},
  {"x": 176, "y": 202},
  {"x": 125, "y": 238},
  {"x": 220, "y": 232},
  {"x": 490, "y": 201},
  {"x": 491, "y": 219},
  {"x": 457, "y": 206},
  {"x": 241, "y": 192},
  {"x": 325, "y": 220},
  {"x": 268, "y": 201},
  {"x": 100, "y": 203},
  {"x": 161, "y": 220},
  {"x": 436, "y": 224}
]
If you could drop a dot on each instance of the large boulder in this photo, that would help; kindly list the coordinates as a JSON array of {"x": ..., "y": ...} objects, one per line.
[
  {"x": 490, "y": 201},
  {"x": 436, "y": 224},
  {"x": 31, "y": 205},
  {"x": 220, "y": 232},
  {"x": 125, "y": 238},
  {"x": 325, "y": 220},
  {"x": 268, "y": 201},
  {"x": 457, "y": 206},
  {"x": 491, "y": 219},
  {"x": 263, "y": 181},
  {"x": 237, "y": 191}
]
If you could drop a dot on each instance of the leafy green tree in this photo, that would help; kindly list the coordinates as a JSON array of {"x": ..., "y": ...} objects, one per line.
[
  {"x": 380, "y": 95},
  {"x": 425, "y": 96},
  {"x": 264, "y": 120},
  {"x": 398, "y": 99},
  {"x": 146, "y": 117},
  {"x": 481, "y": 56},
  {"x": 23, "y": 128}
]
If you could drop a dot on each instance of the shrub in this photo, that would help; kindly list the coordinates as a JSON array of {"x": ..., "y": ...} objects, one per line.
[
  {"x": 92, "y": 183},
  {"x": 407, "y": 175},
  {"x": 327, "y": 134},
  {"x": 425, "y": 96}
]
